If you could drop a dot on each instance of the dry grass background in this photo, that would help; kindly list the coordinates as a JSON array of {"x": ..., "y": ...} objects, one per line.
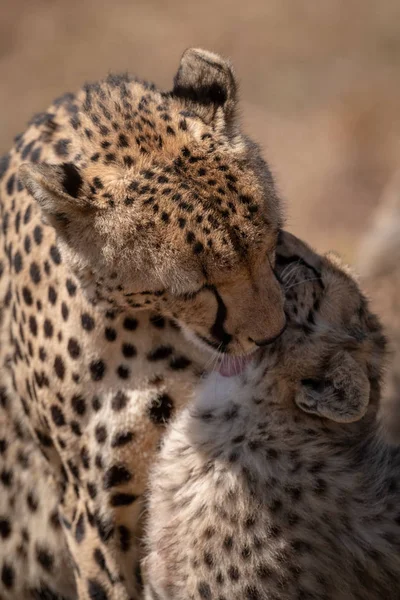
[{"x": 319, "y": 79}]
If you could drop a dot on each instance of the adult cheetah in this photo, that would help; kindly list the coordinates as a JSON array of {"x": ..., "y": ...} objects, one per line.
[
  {"x": 277, "y": 484},
  {"x": 134, "y": 223}
]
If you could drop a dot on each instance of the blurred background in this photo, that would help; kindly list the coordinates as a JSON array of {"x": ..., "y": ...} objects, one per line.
[{"x": 320, "y": 84}]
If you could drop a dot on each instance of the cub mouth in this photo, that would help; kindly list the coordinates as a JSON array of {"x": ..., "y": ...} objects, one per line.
[{"x": 229, "y": 366}]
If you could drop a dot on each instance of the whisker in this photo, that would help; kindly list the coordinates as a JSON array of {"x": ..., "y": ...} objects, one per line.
[{"x": 300, "y": 282}]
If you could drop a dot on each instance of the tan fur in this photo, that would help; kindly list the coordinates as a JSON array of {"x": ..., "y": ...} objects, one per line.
[
  {"x": 129, "y": 216},
  {"x": 254, "y": 499}
]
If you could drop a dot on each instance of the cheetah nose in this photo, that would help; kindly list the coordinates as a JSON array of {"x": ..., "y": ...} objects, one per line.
[{"x": 267, "y": 341}]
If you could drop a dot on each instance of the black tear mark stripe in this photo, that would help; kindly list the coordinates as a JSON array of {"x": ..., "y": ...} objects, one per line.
[{"x": 218, "y": 330}]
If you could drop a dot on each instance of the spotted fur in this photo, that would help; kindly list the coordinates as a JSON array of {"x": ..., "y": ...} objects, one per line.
[
  {"x": 277, "y": 484},
  {"x": 128, "y": 216}
]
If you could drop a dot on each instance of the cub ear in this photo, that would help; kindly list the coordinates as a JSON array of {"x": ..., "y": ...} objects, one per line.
[
  {"x": 342, "y": 395},
  {"x": 207, "y": 82},
  {"x": 58, "y": 191},
  {"x": 292, "y": 249}
]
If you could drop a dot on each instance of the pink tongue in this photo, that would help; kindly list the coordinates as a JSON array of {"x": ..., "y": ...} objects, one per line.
[{"x": 233, "y": 365}]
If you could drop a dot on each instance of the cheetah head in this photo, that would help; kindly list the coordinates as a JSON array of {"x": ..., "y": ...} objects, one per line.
[
  {"x": 330, "y": 358},
  {"x": 170, "y": 207}
]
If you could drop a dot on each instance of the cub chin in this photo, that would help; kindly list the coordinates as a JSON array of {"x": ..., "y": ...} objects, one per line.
[{"x": 275, "y": 484}]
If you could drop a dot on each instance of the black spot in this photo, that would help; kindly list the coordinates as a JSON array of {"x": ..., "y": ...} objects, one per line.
[
  {"x": 34, "y": 272},
  {"x": 100, "y": 434},
  {"x": 64, "y": 311},
  {"x": 160, "y": 353},
  {"x": 18, "y": 262},
  {"x": 73, "y": 348},
  {"x": 123, "y": 141},
  {"x": 198, "y": 248},
  {"x": 121, "y": 439},
  {"x": 27, "y": 296},
  {"x": 85, "y": 457},
  {"x": 96, "y": 591},
  {"x": 7, "y": 575},
  {"x": 116, "y": 475},
  {"x": 130, "y": 324},
  {"x": 80, "y": 529},
  {"x": 57, "y": 415},
  {"x": 178, "y": 363},
  {"x": 35, "y": 157},
  {"x": 78, "y": 404},
  {"x": 59, "y": 367},
  {"x": 71, "y": 287},
  {"x": 33, "y": 325},
  {"x": 27, "y": 244},
  {"x": 92, "y": 490},
  {"x": 27, "y": 150},
  {"x": 160, "y": 409},
  {"x": 119, "y": 401},
  {"x": 98, "y": 184},
  {"x": 99, "y": 558},
  {"x": 157, "y": 321},
  {"x": 55, "y": 255},
  {"x": 32, "y": 502},
  {"x": 5, "y": 528},
  {"x": 123, "y": 372},
  {"x": 52, "y": 295},
  {"x": 72, "y": 180},
  {"x": 233, "y": 573},
  {"x": 44, "y": 558},
  {"x": 97, "y": 370},
  {"x": 38, "y": 234},
  {"x": 122, "y": 499},
  {"x": 10, "y": 185},
  {"x": 124, "y": 538},
  {"x": 110, "y": 334},
  {"x": 87, "y": 322},
  {"x": 128, "y": 350},
  {"x": 48, "y": 328},
  {"x": 204, "y": 590},
  {"x": 4, "y": 164},
  {"x": 61, "y": 147}
]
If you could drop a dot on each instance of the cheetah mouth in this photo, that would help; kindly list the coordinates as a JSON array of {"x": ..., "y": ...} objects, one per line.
[{"x": 229, "y": 366}]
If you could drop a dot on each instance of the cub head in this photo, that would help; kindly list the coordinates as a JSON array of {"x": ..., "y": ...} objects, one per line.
[
  {"x": 168, "y": 206},
  {"x": 329, "y": 360}
]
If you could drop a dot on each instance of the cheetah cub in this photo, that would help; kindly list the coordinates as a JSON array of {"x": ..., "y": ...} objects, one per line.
[{"x": 275, "y": 484}]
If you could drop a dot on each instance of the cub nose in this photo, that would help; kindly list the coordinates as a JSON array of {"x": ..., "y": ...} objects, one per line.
[{"x": 270, "y": 340}]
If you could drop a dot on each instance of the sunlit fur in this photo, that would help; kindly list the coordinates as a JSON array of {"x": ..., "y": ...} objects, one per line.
[{"x": 169, "y": 197}]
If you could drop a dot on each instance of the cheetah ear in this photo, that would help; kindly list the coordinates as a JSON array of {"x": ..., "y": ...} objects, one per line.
[
  {"x": 207, "y": 83},
  {"x": 57, "y": 189},
  {"x": 342, "y": 396}
]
